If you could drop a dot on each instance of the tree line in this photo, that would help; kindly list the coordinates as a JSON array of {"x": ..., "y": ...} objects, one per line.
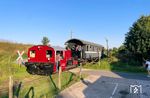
[{"x": 136, "y": 47}]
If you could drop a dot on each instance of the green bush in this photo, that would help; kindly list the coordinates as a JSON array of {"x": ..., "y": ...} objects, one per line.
[{"x": 113, "y": 64}]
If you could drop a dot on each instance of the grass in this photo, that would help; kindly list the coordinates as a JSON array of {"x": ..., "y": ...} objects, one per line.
[
  {"x": 113, "y": 64},
  {"x": 43, "y": 87},
  {"x": 8, "y": 56}
]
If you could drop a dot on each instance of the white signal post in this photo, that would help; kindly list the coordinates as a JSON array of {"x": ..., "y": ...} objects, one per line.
[{"x": 20, "y": 59}]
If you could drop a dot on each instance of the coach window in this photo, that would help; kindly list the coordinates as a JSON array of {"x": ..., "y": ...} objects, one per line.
[
  {"x": 32, "y": 53},
  {"x": 87, "y": 47},
  {"x": 48, "y": 54}
]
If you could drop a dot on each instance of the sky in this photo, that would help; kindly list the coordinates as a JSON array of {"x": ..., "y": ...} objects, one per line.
[{"x": 27, "y": 21}]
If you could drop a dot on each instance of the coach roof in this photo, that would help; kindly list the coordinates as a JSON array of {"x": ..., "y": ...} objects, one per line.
[{"x": 82, "y": 42}]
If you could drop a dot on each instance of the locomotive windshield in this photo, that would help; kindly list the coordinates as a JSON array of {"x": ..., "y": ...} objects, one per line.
[
  {"x": 48, "y": 54},
  {"x": 32, "y": 53}
]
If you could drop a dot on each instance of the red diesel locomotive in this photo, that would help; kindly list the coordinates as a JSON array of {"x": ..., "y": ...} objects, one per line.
[{"x": 42, "y": 59}]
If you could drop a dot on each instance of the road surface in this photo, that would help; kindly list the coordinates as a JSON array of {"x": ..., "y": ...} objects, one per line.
[{"x": 107, "y": 84}]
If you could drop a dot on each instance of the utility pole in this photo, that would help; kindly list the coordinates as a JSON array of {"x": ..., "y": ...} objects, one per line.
[{"x": 107, "y": 45}]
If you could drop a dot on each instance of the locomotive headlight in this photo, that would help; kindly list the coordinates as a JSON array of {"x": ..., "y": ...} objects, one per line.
[
  {"x": 48, "y": 58},
  {"x": 28, "y": 58}
]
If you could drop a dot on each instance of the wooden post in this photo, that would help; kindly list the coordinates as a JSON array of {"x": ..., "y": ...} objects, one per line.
[
  {"x": 99, "y": 56},
  {"x": 80, "y": 72},
  {"x": 59, "y": 77},
  {"x": 0, "y": 73},
  {"x": 19, "y": 62},
  {"x": 10, "y": 87}
]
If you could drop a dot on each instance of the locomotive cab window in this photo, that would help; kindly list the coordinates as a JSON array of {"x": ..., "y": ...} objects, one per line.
[
  {"x": 61, "y": 53},
  {"x": 48, "y": 54},
  {"x": 87, "y": 48},
  {"x": 32, "y": 53}
]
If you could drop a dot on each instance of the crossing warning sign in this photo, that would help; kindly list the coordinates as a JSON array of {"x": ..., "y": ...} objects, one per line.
[{"x": 20, "y": 58}]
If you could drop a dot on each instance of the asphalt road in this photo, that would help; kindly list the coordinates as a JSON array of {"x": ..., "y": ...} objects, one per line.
[{"x": 107, "y": 84}]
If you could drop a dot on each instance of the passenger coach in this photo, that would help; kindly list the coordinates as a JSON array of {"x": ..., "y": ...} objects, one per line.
[{"x": 85, "y": 50}]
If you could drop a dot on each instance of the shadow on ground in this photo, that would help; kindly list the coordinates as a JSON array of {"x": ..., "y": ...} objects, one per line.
[
  {"x": 107, "y": 87},
  {"x": 104, "y": 86}
]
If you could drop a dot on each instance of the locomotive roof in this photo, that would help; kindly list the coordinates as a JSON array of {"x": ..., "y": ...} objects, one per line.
[
  {"x": 54, "y": 47},
  {"x": 82, "y": 42},
  {"x": 58, "y": 48}
]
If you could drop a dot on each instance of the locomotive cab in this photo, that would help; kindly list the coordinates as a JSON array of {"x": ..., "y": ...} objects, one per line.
[{"x": 65, "y": 56}]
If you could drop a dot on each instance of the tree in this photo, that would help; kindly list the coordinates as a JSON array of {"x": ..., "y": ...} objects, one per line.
[
  {"x": 137, "y": 40},
  {"x": 45, "y": 41},
  {"x": 122, "y": 49}
]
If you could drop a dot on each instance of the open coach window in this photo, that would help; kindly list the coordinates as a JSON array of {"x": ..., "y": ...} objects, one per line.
[
  {"x": 48, "y": 54},
  {"x": 32, "y": 53}
]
